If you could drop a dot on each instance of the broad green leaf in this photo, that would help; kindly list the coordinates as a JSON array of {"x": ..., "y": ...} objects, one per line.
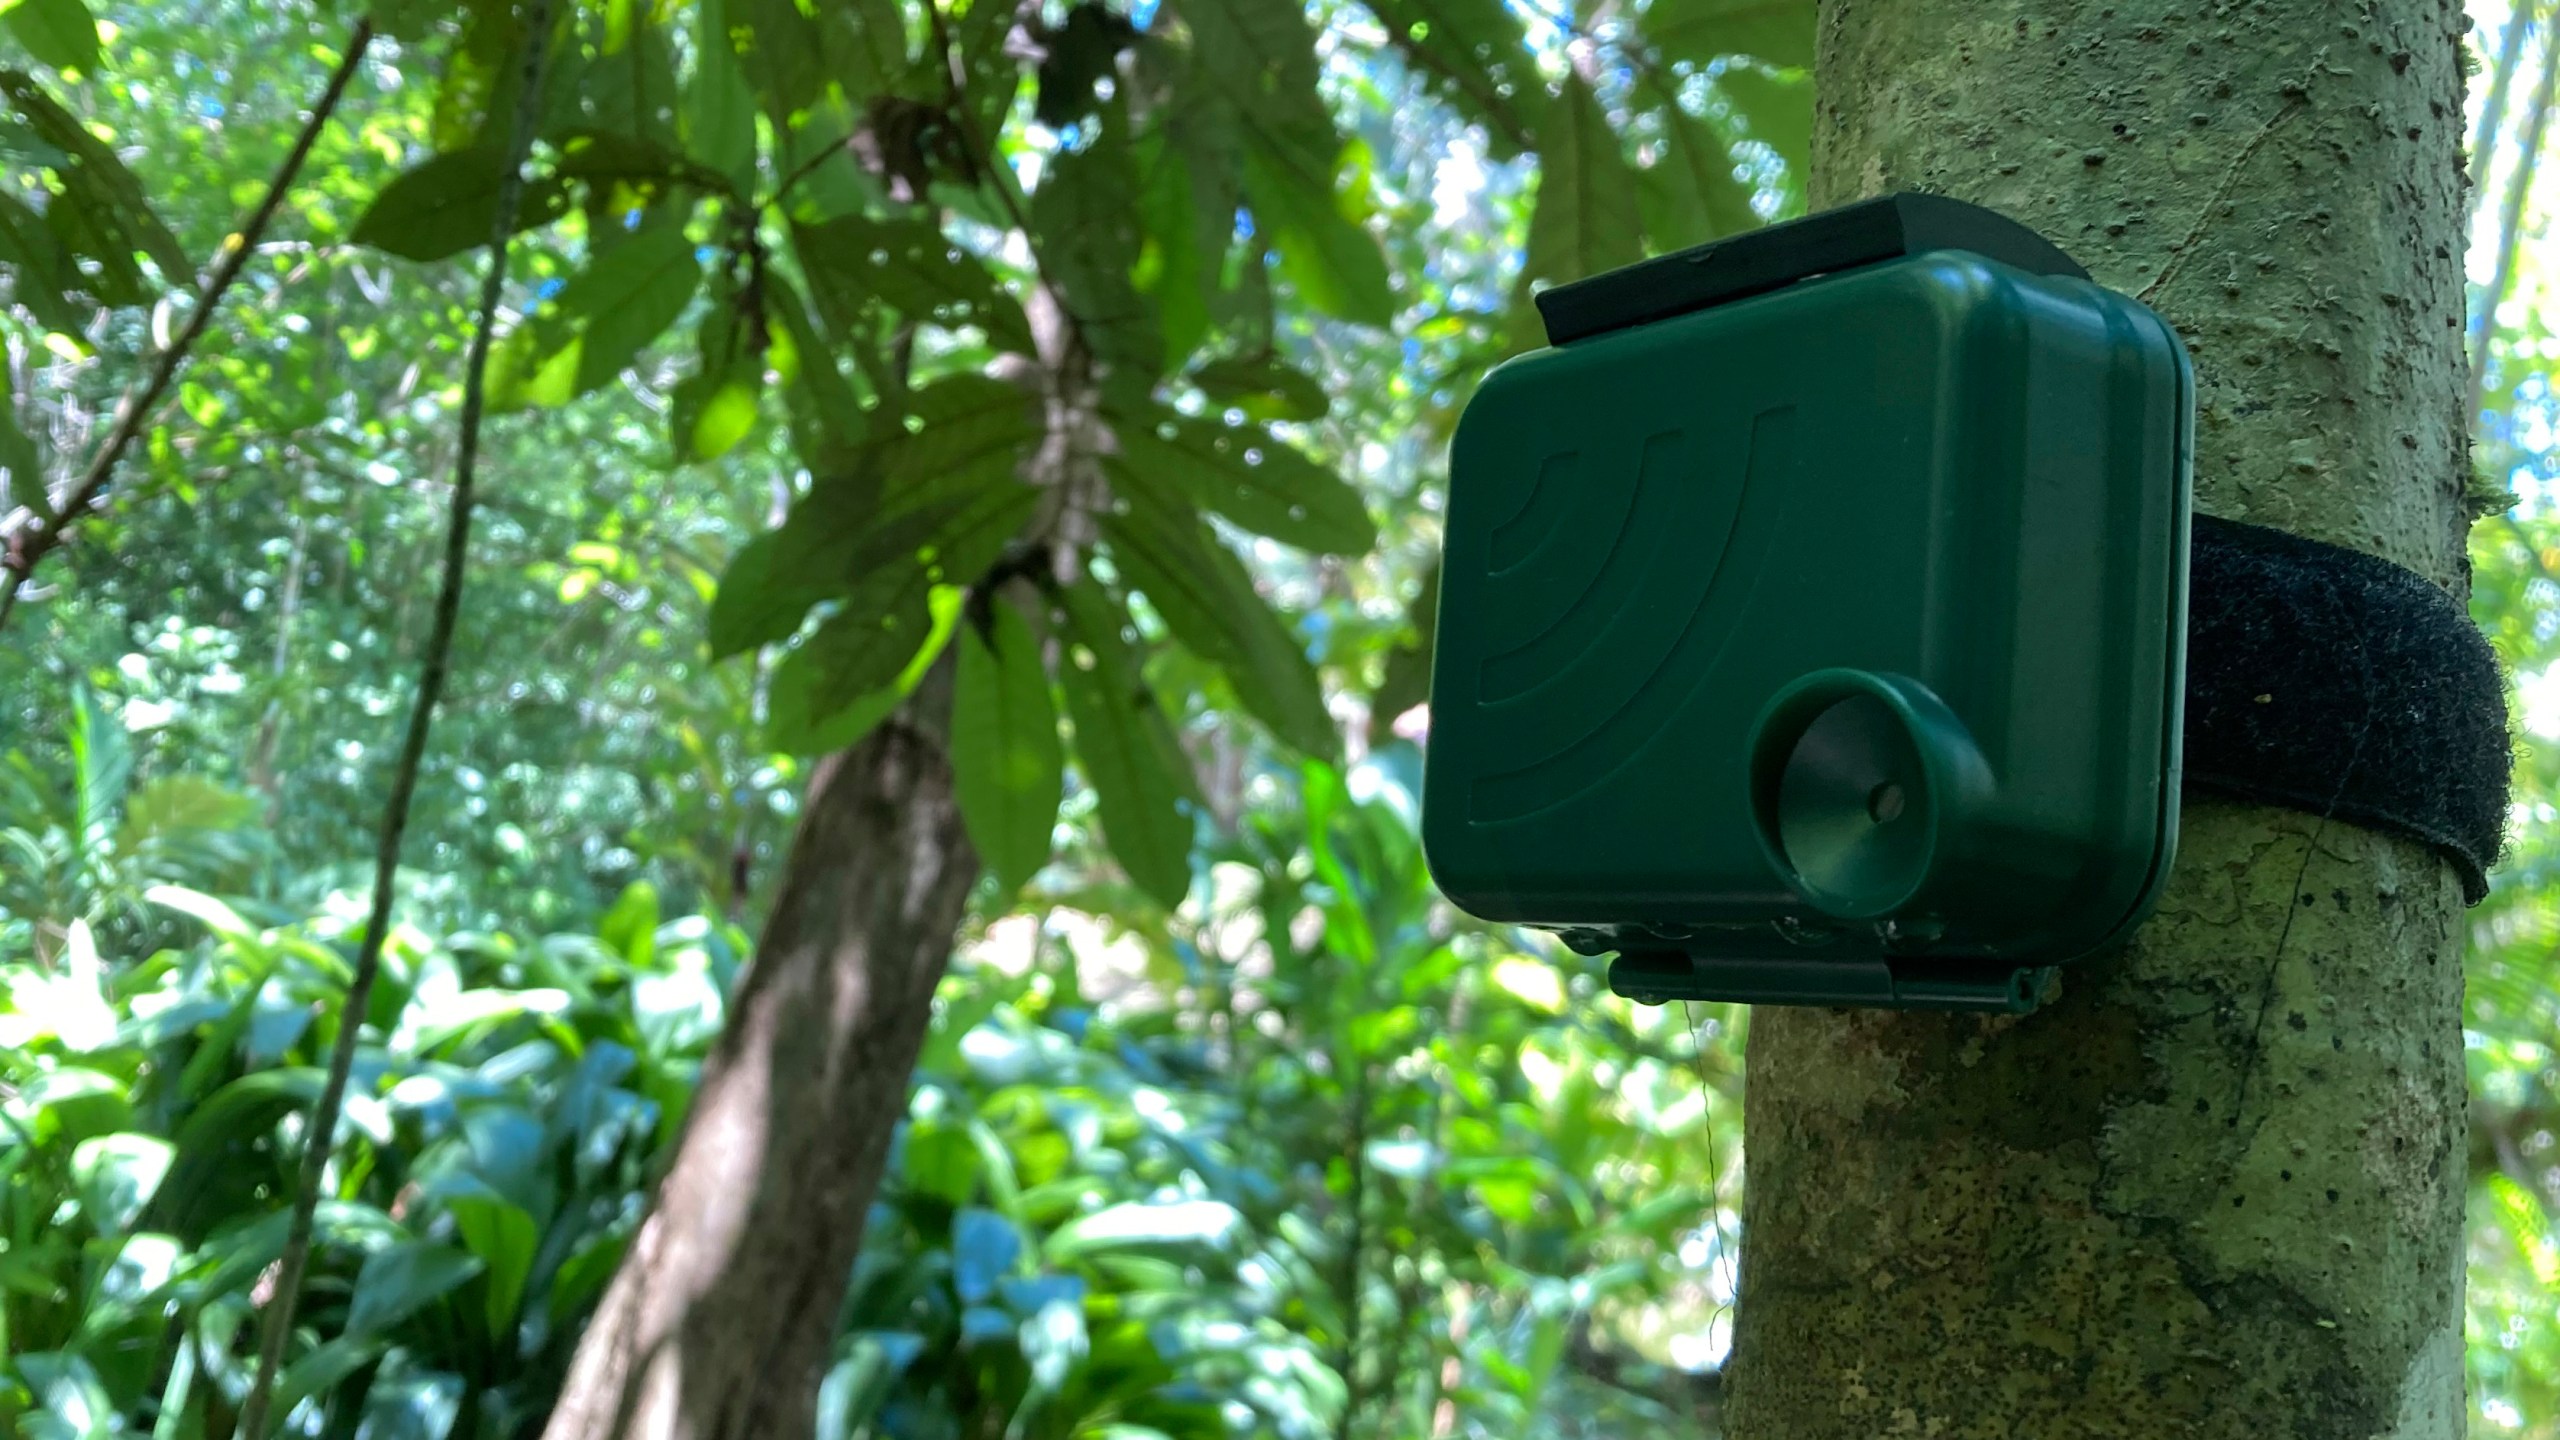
[
  {"x": 18, "y": 459},
  {"x": 1586, "y": 218},
  {"x": 912, "y": 268},
  {"x": 599, "y": 321},
  {"x": 448, "y": 204},
  {"x": 1207, "y": 599},
  {"x": 101, "y": 203},
  {"x": 714, "y": 412},
  {"x": 630, "y": 928},
  {"x": 946, "y": 499},
  {"x": 887, "y": 615},
  {"x": 174, "y": 809},
  {"x": 794, "y": 724},
  {"x": 719, "y": 120},
  {"x": 322, "y": 1368},
  {"x": 1332, "y": 261},
  {"x": 41, "y": 274},
  {"x": 782, "y": 50},
  {"x": 866, "y": 44},
  {"x": 828, "y": 422},
  {"x": 1778, "y": 31},
  {"x": 61, "y": 33},
  {"x": 1246, "y": 474},
  {"x": 73, "y": 1104},
  {"x": 1088, "y": 222},
  {"x": 1264, "y": 389},
  {"x": 503, "y": 1238},
  {"x": 963, "y": 431},
  {"x": 117, "y": 1175},
  {"x": 1690, "y": 194},
  {"x": 1475, "y": 54},
  {"x": 1308, "y": 191},
  {"x": 1180, "y": 1225},
  {"x": 1123, "y": 745},
  {"x": 1007, "y": 764},
  {"x": 101, "y": 769},
  {"x": 399, "y": 1280},
  {"x": 1186, "y": 234}
]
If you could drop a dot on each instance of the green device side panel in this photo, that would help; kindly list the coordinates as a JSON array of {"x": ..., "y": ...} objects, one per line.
[{"x": 1936, "y": 467}]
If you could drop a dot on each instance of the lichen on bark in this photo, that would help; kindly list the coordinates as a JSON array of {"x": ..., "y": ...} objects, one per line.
[{"x": 2216, "y": 1188}]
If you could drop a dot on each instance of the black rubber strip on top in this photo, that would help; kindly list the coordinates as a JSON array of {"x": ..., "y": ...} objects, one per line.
[{"x": 2330, "y": 681}]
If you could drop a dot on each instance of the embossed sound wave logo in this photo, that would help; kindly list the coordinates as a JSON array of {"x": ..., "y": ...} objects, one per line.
[{"x": 1615, "y": 606}]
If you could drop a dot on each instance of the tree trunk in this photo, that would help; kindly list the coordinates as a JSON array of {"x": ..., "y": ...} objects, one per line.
[
  {"x": 2215, "y": 1190},
  {"x": 718, "y": 1325}
]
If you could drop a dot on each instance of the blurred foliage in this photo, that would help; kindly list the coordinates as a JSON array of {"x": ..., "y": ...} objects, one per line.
[
  {"x": 1227, "y": 1125},
  {"x": 1142, "y": 1186}
]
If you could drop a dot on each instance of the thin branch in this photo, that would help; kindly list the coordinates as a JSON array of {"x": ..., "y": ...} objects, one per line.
[
  {"x": 27, "y": 550},
  {"x": 404, "y": 778},
  {"x": 2484, "y": 323}
]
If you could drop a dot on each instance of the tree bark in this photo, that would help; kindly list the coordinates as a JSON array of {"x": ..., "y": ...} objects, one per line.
[
  {"x": 2215, "y": 1190},
  {"x": 719, "y": 1322}
]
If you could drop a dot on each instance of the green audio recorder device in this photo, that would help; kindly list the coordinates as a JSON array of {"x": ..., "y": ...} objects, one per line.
[{"x": 1812, "y": 617}]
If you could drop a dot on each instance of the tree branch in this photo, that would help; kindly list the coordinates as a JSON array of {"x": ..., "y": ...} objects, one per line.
[
  {"x": 404, "y": 779},
  {"x": 26, "y": 550}
]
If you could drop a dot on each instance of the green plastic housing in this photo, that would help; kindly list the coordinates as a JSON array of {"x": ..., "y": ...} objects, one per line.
[{"x": 1822, "y": 646}]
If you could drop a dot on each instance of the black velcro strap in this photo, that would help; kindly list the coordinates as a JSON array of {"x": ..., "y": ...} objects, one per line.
[{"x": 2335, "y": 682}]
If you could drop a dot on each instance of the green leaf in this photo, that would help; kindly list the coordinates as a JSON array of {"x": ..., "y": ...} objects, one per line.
[
  {"x": 1690, "y": 194},
  {"x": 1123, "y": 746},
  {"x": 1308, "y": 191},
  {"x": 1188, "y": 186},
  {"x": 117, "y": 1175},
  {"x": 912, "y": 268},
  {"x": 61, "y": 33},
  {"x": 1208, "y": 601},
  {"x": 1087, "y": 219},
  {"x": 783, "y": 53},
  {"x": 41, "y": 273},
  {"x": 1264, "y": 389},
  {"x": 102, "y": 205},
  {"x": 866, "y": 44},
  {"x": 323, "y": 1369},
  {"x": 630, "y": 928},
  {"x": 448, "y": 204},
  {"x": 828, "y": 421},
  {"x": 599, "y": 322},
  {"x": 74, "y": 1104},
  {"x": 1778, "y": 31},
  {"x": 102, "y": 769},
  {"x": 18, "y": 457},
  {"x": 795, "y": 723},
  {"x": 1475, "y": 54},
  {"x": 1246, "y": 474},
  {"x": 502, "y": 1237},
  {"x": 715, "y": 411},
  {"x": 1332, "y": 261},
  {"x": 1586, "y": 219},
  {"x": 947, "y": 499},
  {"x": 719, "y": 120},
  {"x": 398, "y": 1281},
  {"x": 1007, "y": 763}
]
